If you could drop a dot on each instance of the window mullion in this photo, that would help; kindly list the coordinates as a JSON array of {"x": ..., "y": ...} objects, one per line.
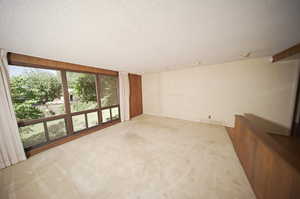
[
  {"x": 98, "y": 90},
  {"x": 118, "y": 91},
  {"x": 110, "y": 113},
  {"x": 46, "y": 131},
  {"x": 67, "y": 102},
  {"x": 86, "y": 120}
]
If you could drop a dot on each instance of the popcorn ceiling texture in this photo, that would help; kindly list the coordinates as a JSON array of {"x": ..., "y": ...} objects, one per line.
[{"x": 148, "y": 36}]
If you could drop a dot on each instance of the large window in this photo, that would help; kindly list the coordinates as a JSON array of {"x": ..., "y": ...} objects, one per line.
[
  {"x": 82, "y": 91},
  {"x": 109, "y": 91},
  {"x": 36, "y": 93},
  {"x": 54, "y": 104}
]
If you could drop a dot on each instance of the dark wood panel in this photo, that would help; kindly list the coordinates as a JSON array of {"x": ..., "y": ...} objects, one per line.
[
  {"x": 30, "y": 61},
  {"x": 279, "y": 183},
  {"x": 295, "y": 192},
  {"x": 262, "y": 169},
  {"x": 69, "y": 120},
  {"x": 271, "y": 162},
  {"x": 247, "y": 152},
  {"x": 35, "y": 121},
  {"x": 136, "y": 98},
  {"x": 240, "y": 129},
  {"x": 286, "y": 147}
]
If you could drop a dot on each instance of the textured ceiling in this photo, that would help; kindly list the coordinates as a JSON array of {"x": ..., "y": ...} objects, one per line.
[{"x": 147, "y": 36}]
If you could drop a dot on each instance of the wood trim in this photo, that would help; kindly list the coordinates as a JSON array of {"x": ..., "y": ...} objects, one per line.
[
  {"x": 98, "y": 89},
  {"x": 84, "y": 112},
  {"x": 69, "y": 121},
  {"x": 110, "y": 114},
  {"x": 113, "y": 106},
  {"x": 286, "y": 53},
  {"x": 70, "y": 138},
  {"x": 46, "y": 119},
  {"x": 25, "y": 60},
  {"x": 46, "y": 131},
  {"x": 86, "y": 120}
]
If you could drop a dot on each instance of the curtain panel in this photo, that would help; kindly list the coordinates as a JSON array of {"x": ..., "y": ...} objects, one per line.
[
  {"x": 124, "y": 96},
  {"x": 11, "y": 147}
]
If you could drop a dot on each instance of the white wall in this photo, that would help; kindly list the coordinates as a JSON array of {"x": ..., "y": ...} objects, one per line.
[{"x": 251, "y": 86}]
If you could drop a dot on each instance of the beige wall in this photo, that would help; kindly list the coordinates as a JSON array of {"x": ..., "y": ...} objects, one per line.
[{"x": 251, "y": 86}]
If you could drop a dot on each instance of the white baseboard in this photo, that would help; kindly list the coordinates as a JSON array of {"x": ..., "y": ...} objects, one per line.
[{"x": 205, "y": 121}]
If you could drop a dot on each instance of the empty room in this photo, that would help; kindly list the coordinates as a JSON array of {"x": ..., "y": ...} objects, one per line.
[{"x": 161, "y": 99}]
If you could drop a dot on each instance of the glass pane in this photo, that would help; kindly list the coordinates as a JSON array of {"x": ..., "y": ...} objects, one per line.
[
  {"x": 82, "y": 91},
  {"x": 109, "y": 90},
  {"x": 36, "y": 93},
  {"x": 105, "y": 115},
  {"x": 92, "y": 119},
  {"x": 32, "y": 135},
  {"x": 115, "y": 113},
  {"x": 78, "y": 122},
  {"x": 56, "y": 129}
]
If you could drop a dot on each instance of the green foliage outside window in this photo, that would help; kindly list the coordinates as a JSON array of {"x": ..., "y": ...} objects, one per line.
[
  {"x": 37, "y": 93},
  {"x": 108, "y": 91},
  {"x": 85, "y": 87},
  {"x": 32, "y": 89}
]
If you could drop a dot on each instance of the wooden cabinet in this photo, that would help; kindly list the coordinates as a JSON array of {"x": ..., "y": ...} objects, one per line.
[
  {"x": 247, "y": 151},
  {"x": 262, "y": 169},
  {"x": 270, "y": 163},
  {"x": 279, "y": 182},
  {"x": 295, "y": 191}
]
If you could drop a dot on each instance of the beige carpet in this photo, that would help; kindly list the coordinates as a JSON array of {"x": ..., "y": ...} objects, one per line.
[{"x": 146, "y": 158}]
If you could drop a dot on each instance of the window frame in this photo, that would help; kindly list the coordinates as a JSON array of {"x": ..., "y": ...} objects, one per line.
[{"x": 34, "y": 62}]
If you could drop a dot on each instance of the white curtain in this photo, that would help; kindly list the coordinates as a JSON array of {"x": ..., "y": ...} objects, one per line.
[
  {"x": 11, "y": 148},
  {"x": 124, "y": 95}
]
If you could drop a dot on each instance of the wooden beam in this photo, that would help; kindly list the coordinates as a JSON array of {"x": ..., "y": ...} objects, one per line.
[
  {"x": 292, "y": 51},
  {"x": 25, "y": 60}
]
